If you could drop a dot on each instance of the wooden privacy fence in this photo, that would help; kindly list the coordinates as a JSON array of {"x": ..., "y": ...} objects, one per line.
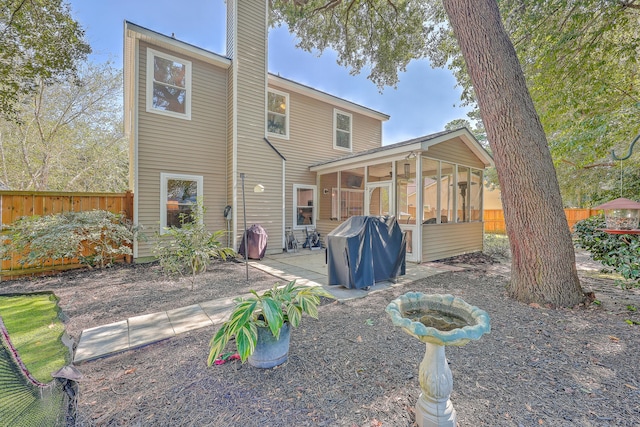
[
  {"x": 16, "y": 204},
  {"x": 494, "y": 219}
]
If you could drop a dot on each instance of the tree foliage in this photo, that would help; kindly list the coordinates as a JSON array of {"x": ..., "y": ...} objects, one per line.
[
  {"x": 68, "y": 136},
  {"x": 580, "y": 58},
  {"x": 581, "y": 61},
  {"x": 41, "y": 43},
  {"x": 379, "y": 36}
]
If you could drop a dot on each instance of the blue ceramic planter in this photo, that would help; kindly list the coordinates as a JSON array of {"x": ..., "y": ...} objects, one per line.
[{"x": 271, "y": 352}]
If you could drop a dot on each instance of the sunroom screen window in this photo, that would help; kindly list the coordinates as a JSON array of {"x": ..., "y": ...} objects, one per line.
[
  {"x": 351, "y": 194},
  {"x": 475, "y": 193},
  {"x": 447, "y": 192},
  {"x": 430, "y": 211},
  {"x": 463, "y": 191},
  {"x": 406, "y": 194}
]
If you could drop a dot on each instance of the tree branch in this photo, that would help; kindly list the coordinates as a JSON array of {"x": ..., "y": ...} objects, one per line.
[
  {"x": 630, "y": 4},
  {"x": 591, "y": 166},
  {"x": 329, "y": 5},
  {"x": 13, "y": 14}
]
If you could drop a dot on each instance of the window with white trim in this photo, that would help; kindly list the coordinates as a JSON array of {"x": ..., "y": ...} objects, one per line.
[
  {"x": 178, "y": 198},
  {"x": 304, "y": 210},
  {"x": 278, "y": 114},
  {"x": 342, "y": 130},
  {"x": 168, "y": 85}
]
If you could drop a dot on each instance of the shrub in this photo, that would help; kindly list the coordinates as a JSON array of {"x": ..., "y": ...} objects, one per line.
[
  {"x": 188, "y": 249},
  {"x": 619, "y": 251},
  {"x": 69, "y": 235},
  {"x": 496, "y": 245}
]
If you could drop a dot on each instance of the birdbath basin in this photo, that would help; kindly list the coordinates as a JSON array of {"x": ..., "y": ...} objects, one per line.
[{"x": 437, "y": 321}]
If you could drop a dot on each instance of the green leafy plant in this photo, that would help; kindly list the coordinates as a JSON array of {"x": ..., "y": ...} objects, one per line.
[
  {"x": 95, "y": 237},
  {"x": 621, "y": 252},
  {"x": 188, "y": 249},
  {"x": 271, "y": 309}
]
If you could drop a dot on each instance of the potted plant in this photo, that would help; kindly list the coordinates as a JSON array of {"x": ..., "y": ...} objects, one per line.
[{"x": 261, "y": 323}]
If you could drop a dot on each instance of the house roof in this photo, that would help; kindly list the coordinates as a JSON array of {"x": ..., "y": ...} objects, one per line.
[
  {"x": 420, "y": 144},
  {"x": 145, "y": 34},
  {"x": 311, "y": 92}
]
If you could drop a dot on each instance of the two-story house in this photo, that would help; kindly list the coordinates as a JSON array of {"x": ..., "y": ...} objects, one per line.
[{"x": 201, "y": 125}]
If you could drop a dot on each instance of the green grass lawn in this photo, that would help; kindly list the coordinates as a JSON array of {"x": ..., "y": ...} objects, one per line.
[{"x": 35, "y": 330}]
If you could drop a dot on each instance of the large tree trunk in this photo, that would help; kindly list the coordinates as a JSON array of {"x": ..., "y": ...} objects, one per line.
[{"x": 543, "y": 259}]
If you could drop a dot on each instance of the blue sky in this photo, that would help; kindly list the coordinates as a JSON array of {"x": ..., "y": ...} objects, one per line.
[{"x": 424, "y": 101}]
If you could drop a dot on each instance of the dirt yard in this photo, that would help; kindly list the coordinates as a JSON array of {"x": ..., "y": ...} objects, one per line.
[{"x": 352, "y": 367}]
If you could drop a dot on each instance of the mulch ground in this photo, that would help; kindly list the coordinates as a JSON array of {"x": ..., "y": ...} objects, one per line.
[{"x": 352, "y": 367}]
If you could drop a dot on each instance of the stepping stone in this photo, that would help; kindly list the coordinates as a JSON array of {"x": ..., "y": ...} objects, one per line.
[
  {"x": 102, "y": 340},
  {"x": 149, "y": 328},
  {"x": 218, "y": 310},
  {"x": 188, "y": 318}
]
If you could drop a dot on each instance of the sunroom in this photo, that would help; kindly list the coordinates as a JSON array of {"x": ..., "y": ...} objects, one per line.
[{"x": 432, "y": 184}]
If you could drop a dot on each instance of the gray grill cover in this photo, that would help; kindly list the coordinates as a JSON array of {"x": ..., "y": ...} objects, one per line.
[
  {"x": 364, "y": 250},
  {"x": 256, "y": 242}
]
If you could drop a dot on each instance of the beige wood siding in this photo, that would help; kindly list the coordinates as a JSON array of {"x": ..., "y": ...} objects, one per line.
[
  {"x": 129, "y": 101},
  {"x": 446, "y": 240},
  {"x": 255, "y": 158},
  {"x": 328, "y": 183},
  {"x": 173, "y": 145},
  {"x": 311, "y": 140},
  {"x": 454, "y": 151}
]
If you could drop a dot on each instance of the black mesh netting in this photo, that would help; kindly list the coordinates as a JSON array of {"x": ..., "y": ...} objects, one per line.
[{"x": 24, "y": 402}]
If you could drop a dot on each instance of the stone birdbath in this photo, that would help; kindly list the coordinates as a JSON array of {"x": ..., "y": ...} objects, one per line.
[{"x": 437, "y": 321}]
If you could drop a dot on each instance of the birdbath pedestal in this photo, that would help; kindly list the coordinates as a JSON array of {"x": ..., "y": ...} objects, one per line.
[{"x": 437, "y": 320}]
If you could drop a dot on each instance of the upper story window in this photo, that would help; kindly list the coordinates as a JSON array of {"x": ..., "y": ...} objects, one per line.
[
  {"x": 342, "y": 130},
  {"x": 278, "y": 114},
  {"x": 168, "y": 85}
]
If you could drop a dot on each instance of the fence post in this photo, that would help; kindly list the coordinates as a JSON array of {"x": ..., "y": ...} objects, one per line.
[{"x": 128, "y": 205}]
